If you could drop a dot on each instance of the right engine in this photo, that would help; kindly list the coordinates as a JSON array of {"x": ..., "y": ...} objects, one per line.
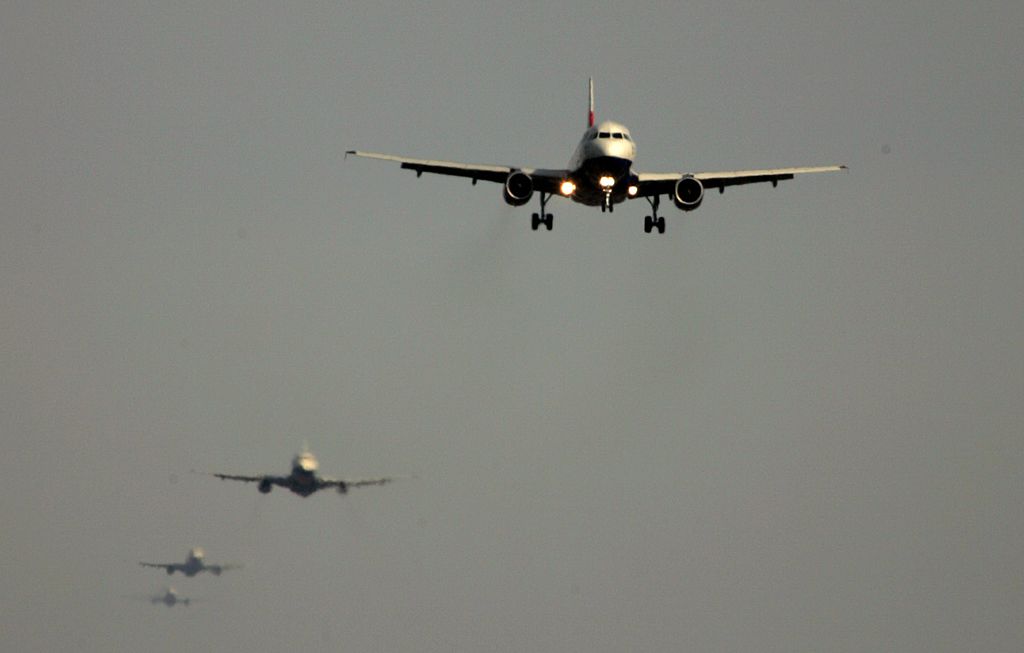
[
  {"x": 518, "y": 188},
  {"x": 688, "y": 193},
  {"x": 265, "y": 486}
]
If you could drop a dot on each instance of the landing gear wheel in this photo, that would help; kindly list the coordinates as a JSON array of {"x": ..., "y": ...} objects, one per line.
[
  {"x": 653, "y": 221},
  {"x": 549, "y": 221},
  {"x": 535, "y": 222}
]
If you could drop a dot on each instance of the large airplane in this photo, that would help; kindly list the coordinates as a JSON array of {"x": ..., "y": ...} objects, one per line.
[
  {"x": 303, "y": 479},
  {"x": 600, "y": 173},
  {"x": 194, "y": 564}
]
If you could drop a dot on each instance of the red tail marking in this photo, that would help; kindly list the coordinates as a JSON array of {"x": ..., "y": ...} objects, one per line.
[{"x": 590, "y": 92}]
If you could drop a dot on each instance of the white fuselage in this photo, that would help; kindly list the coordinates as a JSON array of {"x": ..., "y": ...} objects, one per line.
[
  {"x": 602, "y": 165},
  {"x": 193, "y": 563},
  {"x": 303, "y": 476}
]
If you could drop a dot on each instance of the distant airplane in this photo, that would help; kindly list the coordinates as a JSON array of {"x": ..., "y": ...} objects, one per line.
[
  {"x": 194, "y": 564},
  {"x": 304, "y": 479},
  {"x": 169, "y": 598},
  {"x": 600, "y": 173}
]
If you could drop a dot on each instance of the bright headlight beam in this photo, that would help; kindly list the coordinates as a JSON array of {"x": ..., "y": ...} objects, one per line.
[
  {"x": 606, "y": 182},
  {"x": 568, "y": 188},
  {"x": 632, "y": 190}
]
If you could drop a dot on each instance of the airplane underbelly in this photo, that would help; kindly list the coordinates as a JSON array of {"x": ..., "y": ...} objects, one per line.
[{"x": 588, "y": 177}]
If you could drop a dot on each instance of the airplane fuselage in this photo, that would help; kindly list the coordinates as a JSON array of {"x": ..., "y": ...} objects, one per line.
[
  {"x": 302, "y": 481},
  {"x": 602, "y": 165}
]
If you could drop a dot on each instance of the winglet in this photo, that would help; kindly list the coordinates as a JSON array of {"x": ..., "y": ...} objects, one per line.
[{"x": 590, "y": 116}]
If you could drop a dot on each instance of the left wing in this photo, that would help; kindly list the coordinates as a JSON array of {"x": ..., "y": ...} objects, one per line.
[
  {"x": 544, "y": 179},
  {"x": 171, "y": 568},
  {"x": 663, "y": 183}
]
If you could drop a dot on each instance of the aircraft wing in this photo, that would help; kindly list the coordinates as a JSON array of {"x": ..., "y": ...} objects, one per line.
[
  {"x": 217, "y": 569},
  {"x": 168, "y": 567},
  {"x": 663, "y": 183},
  {"x": 544, "y": 179},
  {"x": 276, "y": 480},
  {"x": 343, "y": 484}
]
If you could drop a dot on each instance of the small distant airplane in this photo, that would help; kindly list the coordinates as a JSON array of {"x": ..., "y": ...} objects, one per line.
[
  {"x": 600, "y": 173},
  {"x": 194, "y": 564},
  {"x": 304, "y": 479},
  {"x": 169, "y": 598}
]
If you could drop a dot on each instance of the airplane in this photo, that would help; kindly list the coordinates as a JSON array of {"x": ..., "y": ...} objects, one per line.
[
  {"x": 600, "y": 173},
  {"x": 303, "y": 479},
  {"x": 169, "y": 598},
  {"x": 194, "y": 564}
]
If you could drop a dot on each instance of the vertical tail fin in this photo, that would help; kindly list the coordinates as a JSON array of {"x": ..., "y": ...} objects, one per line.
[{"x": 590, "y": 116}]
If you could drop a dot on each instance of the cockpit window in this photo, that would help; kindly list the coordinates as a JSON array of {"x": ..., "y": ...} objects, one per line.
[
  {"x": 593, "y": 136},
  {"x": 626, "y": 136},
  {"x": 604, "y": 135},
  {"x": 616, "y": 135}
]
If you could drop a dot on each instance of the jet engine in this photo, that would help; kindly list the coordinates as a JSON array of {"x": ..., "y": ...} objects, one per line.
[
  {"x": 266, "y": 486},
  {"x": 689, "y": 193},
  {"x": 518, "y": 188}
]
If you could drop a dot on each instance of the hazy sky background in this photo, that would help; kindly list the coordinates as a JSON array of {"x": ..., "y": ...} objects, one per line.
[{"x": 791, "y": 423}]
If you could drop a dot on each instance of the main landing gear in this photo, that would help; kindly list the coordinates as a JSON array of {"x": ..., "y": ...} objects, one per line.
[
  {"x": 653, "y": 221},
  {"x": 542, "y": 218},
  {"x": 607, "y": 204}
]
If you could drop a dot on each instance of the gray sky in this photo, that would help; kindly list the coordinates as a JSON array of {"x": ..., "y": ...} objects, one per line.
[{"x": 791, "y": 423}]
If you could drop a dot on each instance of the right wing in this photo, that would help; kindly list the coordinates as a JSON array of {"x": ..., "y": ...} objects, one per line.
[
  {"x": 276, "y": 480},
  {"x": 169, "y": 567},
  {"x": 544, "y": 180}
]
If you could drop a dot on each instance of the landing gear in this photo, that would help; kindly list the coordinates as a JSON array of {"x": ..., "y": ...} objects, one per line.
[
  {"x": 607, "y": 205},
  {"x": 542, "y": 218},
  {"x": 652, "y": 221}
]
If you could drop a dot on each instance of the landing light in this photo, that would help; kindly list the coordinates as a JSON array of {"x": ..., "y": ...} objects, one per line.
[
  {"x": 568, "y": 188},
  {"x": 606, "y": 182},
  {"x": 632, "y": 190}
]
